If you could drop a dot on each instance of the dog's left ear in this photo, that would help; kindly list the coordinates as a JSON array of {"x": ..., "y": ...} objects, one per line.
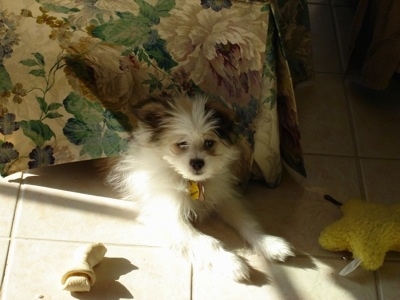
[
  {"x": 151, "y": 112},
  {"x": 226, "y": 120}
]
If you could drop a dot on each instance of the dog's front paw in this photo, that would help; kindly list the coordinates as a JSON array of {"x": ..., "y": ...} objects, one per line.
[
  {"x": 276, "y": 248},
  {"x": 231, "y": 266}
]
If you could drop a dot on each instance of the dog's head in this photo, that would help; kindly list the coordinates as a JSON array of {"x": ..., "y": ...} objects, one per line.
[{"x": 194, "y": 136}]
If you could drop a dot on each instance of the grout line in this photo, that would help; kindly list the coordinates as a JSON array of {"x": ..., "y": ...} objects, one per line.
[
  {"x": 329, "y": 155},
  {"x": 9, "y": 238},
  {"x": 378, "y": 287},
  {"x": 191, "y": 281},
  {"x": 5, "y": 264},
  {"x": 336, "y": 256},
  {"x": 17, "y": 205},
  {"x": 328, "y": 72},
  {"x": 349, "y": 108},
  {"x": 392, "y": 260},
  {"x": 85, "y": 242},
  {"x": 343, "y": 62},
  {"x": 330, "y": 3},
  {"x": 329, "y": 8},
  {"x": 353, "y": 128},
  {"x": 380, "y": 158},
  {"x": 337, "y": 38},
  {"x": 355, "y": 156}
]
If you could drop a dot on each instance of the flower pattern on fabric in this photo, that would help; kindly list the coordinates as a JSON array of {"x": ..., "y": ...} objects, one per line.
[
  {"x": 8, "y": 124},
  {"x": 100, "y": 69},
  {"x": 216, "y": 5},
  {"x": 83, "y": 13},
  {"x": 8, "y": 35},
  {"x": 70, "y": 72},
  {"x": 222, "y": 51},
  {"x": 41, "y": 157},
  {"x": 7, "y": 153}
]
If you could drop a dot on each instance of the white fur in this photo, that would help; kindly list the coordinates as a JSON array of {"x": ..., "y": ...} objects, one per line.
[{"x": 156, "y": 177}]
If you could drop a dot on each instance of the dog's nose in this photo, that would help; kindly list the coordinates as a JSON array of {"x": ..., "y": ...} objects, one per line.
[{"x": 197, "y": 163}]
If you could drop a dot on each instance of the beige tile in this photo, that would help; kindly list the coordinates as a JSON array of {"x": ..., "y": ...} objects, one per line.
[
  {"x": 381, "y": 184},
  {"x": 3, "y": 256},
  {"x": 393, "y": 256},
  {"x": 382, "y": 179},
  {"x": 344, "y": 16},
  {"x": 323, "y": 116},
  {"x": 333, "y": 175},
  {"x": 344, "y": 2},
  {"x": 36, "y": 267},
  {"x": 63, "y": 204},
  {"x": 50, "y": 214},
  {"x": 376, "y": 118},
  {"x": 297, "y": 210},
  {"x": 318, "y": 1},
  {"x": 325, "y": 49},
  {"x": 300, "y": 278},
  {"x": 388, "y": 280},
  {"x": 87, "y": 177},
  {"x": 9, "y": 188}
]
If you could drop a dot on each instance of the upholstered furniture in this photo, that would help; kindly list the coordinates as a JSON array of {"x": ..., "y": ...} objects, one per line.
[{"x": 70, "y": 72}]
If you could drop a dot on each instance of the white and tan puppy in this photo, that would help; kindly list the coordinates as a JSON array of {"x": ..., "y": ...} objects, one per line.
[{"x": 178, "y": 170}]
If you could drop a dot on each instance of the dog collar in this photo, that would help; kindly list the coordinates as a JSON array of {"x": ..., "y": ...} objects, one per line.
[{"x": 196, "y": 190}]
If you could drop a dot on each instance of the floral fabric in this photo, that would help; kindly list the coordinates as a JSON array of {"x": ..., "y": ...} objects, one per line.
[{"x": 70, "y": 72}]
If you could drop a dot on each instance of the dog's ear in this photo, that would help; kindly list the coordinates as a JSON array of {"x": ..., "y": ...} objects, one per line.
[
  {"x": 151, "y": 112},
  {"x": 226, "y": 120}
]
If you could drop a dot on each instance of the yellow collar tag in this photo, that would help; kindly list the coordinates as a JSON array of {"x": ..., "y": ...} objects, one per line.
[{"x": 196, "y": 190}]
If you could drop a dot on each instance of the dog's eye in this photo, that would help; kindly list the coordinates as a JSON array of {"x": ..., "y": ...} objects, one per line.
[
  {"x": 182, "y": 145},
  {"x": 208, "y": 144}
]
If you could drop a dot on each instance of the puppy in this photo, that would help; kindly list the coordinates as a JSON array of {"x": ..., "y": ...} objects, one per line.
[{"x": 178, "y": 170}]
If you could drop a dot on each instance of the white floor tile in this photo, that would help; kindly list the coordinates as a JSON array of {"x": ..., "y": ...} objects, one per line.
[
  {"x": 344, "y": 3},
  {"x": 333, "y": 175},
  {"x": 9, "y": 188},
  {"x": 297, "y": 215},
  {"x": 3, "y": 256},
  {"x": 344, "y": 16},
  {"x": 66, "y": 206},
  {"x": 388, "y": 279},
  {"x": 51, "y": 214},
  {"x": 323, "y": 116},
  {"x": 36, "y": 268},
  {"x": 318, "y": 1},
  {"x": 381, "y": 180},
  {"x": 85, "y": 177},
  {"x": 376, "y": 119},
  {"x": 325, "y": 48},
  {"x": 299, "y": 278},
  {"x": 297, "y": 209}
]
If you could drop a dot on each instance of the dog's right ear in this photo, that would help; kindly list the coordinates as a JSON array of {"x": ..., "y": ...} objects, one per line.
[{"x": 151, "y": 112}]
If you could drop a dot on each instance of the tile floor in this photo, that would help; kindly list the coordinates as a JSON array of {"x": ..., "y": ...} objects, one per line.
[{"x": 352, "y": 149}]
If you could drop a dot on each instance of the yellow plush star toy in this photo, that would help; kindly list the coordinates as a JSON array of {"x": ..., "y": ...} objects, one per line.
[{"x": 368, "y": 230}]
